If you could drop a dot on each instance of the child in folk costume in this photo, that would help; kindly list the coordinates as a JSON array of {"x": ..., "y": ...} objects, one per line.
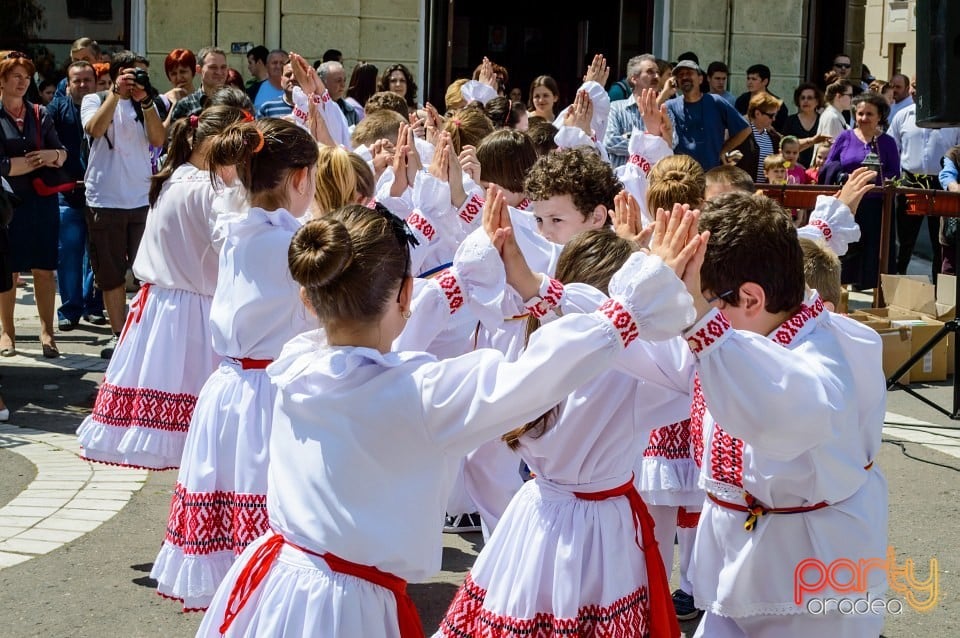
[
  {"x": 144, "y": 405},
  {"x": 564, "y": 558},
  {"x": 378, "y": 426},
  {"x": 666, "y": 471},
  {"x": 219, "y": 502},
  {"x": 788, "y": 412}
]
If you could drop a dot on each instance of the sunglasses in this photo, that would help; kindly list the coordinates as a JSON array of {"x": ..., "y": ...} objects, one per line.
[
  {"x": 770, "y": 115},
  {"x": 16, "y": 54},
  {"x": 841, "y": 65}
]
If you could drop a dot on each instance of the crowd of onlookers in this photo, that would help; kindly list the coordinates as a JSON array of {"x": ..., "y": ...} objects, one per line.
[{"x": 96, "y": 135}]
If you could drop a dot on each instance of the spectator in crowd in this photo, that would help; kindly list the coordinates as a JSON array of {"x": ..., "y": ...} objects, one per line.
[
  {"x": 544, "y": 95},
  {"x": 180, "y": 65},
  {"x": 121, "y": 129},
  {"x": 861, "y": 264},
  {"x": 706, "y": 126},
  {"x": 212, "y": 67},
  {"x": 47, "y": 89},
  {"x": 363, "y": 84},
  {"x": 839, "y": 70},
  {"x": 839, "y": 97},
  {"x": 758, "y": 81},
  {"x": 500, "y": 73},
  {"x": 85, "y": 49},
  {"x": 335, "y": 79},
  {"x": 272, "y": 87},
  {"x": 103, "y": 75},
  {"x": 398, "y": 79},
  {"x": 257, "y": 66},
  {"x": 642, "y": 73},
  {"x": 803, "y": 124},
  {"x": 332, "y": 55},
  {"x": 949, "y": 181},
  {"x": 765, "y": 139},
  {"x": 717, "y": 75},
  {"x": 234, "y": 78},
  {"x": 78, "y": 296},
  {"x": 921, "y": 151},
  {"x": 902, "y": 98},
  {"x": 283, "y": 105},
  {"x": 28, "y": 145}
]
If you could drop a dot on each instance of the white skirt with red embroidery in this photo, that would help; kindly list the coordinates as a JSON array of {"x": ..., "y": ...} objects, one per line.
[
  {"x": 144, "y": 405},
  {"x": 555, "y": 565},
  {"x": 219, "y": 505}
]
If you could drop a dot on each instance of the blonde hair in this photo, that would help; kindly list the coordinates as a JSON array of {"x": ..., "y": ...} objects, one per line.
[
  {"x": 771, "y": 162},
  {"x": 336, "y": 183},
  {"x": 453, "y": 98},
  {"x": 383, "y": 124},
  {"x": 821, "y": 270}
]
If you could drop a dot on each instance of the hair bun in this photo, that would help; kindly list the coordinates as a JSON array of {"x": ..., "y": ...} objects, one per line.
[
  {"x": 674, "y": 176},
  {"x": 320, "y": 252}
]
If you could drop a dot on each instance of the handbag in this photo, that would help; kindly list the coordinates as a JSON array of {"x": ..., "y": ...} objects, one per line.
[{"x": 49, "y": 180}]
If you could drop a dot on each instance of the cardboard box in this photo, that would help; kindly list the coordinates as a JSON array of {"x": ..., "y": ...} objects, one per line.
[
  {"x": 896, "y": 343},
  {"x": 947, "y": 297},
  {"x": 933, "y": 365}
]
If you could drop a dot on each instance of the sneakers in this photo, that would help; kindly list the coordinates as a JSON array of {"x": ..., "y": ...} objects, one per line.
[
  {"x": 97, "y": 320},
  {"x": 107, "y": 353},
  {"x": 66, "y": 325},
  {"x": 683, "y": 605},
  {"x": 461, "y": 523}
]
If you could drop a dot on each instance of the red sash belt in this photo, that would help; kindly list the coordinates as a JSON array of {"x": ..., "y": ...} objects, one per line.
[
  {"x": 136, "y": 309},
  {"x": 251, "y": 364},
  {"x": 663, "y": 616},
  {"x": 755, "y": 509},
  {"x": 259, "y": 564}
]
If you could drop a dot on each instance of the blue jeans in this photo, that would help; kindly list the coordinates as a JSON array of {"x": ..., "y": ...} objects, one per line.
[{"x": 74, "y": 275}]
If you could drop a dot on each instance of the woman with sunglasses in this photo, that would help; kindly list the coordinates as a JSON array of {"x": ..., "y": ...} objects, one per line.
[
  {"x": 808, "y": 98},
  {"x": 765, "y": 139},
  {"x": 28, "y": 144}
]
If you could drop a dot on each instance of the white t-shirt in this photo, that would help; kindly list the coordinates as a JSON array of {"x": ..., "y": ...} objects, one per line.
[{"x": 117, "y": 177}]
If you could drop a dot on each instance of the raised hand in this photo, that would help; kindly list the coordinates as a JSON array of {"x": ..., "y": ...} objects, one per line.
[
  {"x": 400, "y": 181},
  {"x": 306, "y": 75},
  {"x": 675, "y": 238},
  {"x": 858, "y": 184},
  {"x": 458, "y": 194},
  {"x": 382, "y": 153},
  {"x": 666, "y": 126},
  {"x": 597, "y": 71},
  {"x": 414, "y": 164},
  {"x": 440, "y": 164},
  {"x": 487, "y": 76},
  {"x": 433, "y": 123},
  {"x": 580, "y": 113},
  {"x": 469, "y": 162},
  {"x": 626, "y": 219},
  {"x": 649, "y": 111}
]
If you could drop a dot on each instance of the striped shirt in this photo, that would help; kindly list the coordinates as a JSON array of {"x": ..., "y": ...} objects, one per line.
[
  {"x": 765, "y": 144},
  {"x": 274, "y": 108}
]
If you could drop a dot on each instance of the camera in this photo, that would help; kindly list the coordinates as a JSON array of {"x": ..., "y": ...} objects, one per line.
[{"x": 141, "y": 77}]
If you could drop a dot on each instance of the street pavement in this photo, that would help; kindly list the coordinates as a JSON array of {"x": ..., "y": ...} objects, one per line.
[{"x": 77, "y": 539}]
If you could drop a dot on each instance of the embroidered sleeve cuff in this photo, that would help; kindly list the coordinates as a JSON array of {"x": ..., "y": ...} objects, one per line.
[
  {"x": 620, "y": 319},
  {"x": 708, "y": 333},
  {"x": 833, "y": 222},
  {"x": 469, "y": 213},
  {"x": 421, "y": 226},
  {"x": 548, "y": 298},
  {"x": 451, "y": 288}
]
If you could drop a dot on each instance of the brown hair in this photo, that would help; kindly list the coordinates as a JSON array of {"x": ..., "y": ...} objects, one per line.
[
  {"x": 773, "y": 161},
  {"x": 821, "y": 270},
  {"x": 542, "y": 133},
  {"x": 732, "y": 175},
  {"x": 264, "y": 153},
  {"x": 366, "y": 181},
  {"x": 383, "y": 124},
  {"x": 760, "y": 102},
  {"x": 187, "y": 134},
  {"x": 505, "y": 156},
  {"x": 752, "y": 239},
  {"x": 675, "y": 179},
  {"x": 350, "y": 262},
  {"x": 590, "y": 257},
  {"x": 468, "y": 127},
  {"x": 386, "y": 100},
  {"x": 410, "y": 97},
  {"x": 576, "y": 172},
  {"x": 839, "y": 87}
]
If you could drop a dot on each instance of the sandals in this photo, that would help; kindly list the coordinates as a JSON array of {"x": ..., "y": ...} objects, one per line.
[
  {"x": 50, "y": 352},
  {"x": 9, "y": 352}
]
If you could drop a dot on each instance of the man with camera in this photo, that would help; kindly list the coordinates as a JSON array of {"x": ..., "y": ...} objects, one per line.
[{"x": 121, "y": 127}]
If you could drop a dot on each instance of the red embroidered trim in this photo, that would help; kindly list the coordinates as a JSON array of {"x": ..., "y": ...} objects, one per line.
[
  {"x": 789, "y": 328},
  {"x": 642, "y": 163},
  {"x": 129, "y": 465},
  {"x": 207, "y": 522},
  {"x": 550, "y": 299},
  {"x": 450, "y": 287},
  {"x": 726, "y": 457},
  {"x": 670, "y": 441},
  {"x": 708, "y": 334},
  {"x": 143, "y": 407},
  {"x": 687, "y": 519},
  {"x": 621, "y": 319},
  {"x": 471, "y": 209},
  {"x": 697, "y": 411},
  {"x": 416, "y": 220},
  {"x": 524, "y": 205},
  {"x": 824, "y": 228},
  {"x": 180, "y": 600},
  {"x": 467, "y": 617}
]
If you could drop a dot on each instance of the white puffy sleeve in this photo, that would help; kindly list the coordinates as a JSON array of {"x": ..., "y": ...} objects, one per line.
[
  {"x": 645, "y": 150},
  {"x": 831, "y": 221},
  {"x": 332, "y": 115},
  {"x": 476, "y": 91},
  {"x": 780, "y": 400},
  {"x": 472, "y": 399}
]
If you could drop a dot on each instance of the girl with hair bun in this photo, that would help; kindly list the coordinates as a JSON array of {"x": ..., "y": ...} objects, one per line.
[
  {"x": 366, "y": 434},
  {"x": 164, "y": 355},
  {"x": 219, "y": 502}
]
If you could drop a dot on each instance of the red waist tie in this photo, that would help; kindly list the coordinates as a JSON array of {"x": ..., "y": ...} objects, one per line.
[
  {"x": 663, "y": 616},
  {"x": 259, "y": 564},
  {"x": 251, "y": 364},
  {"x": 136, "y": 309}
]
